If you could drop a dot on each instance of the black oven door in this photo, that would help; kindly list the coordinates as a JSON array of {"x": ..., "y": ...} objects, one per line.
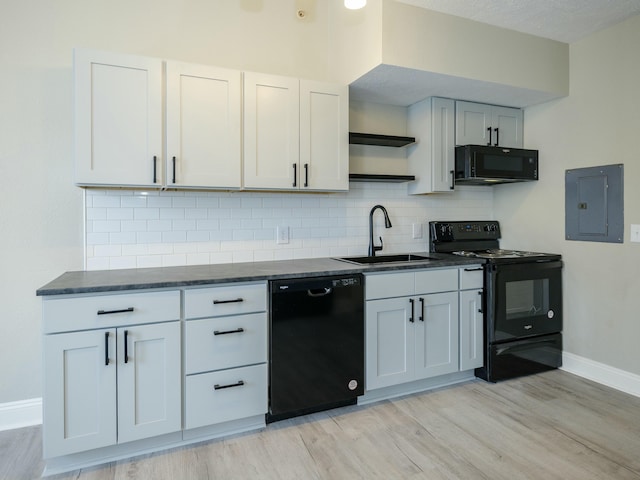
[{"x": 523, "y": 299}]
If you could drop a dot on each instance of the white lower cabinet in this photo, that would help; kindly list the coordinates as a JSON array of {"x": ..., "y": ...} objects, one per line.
[
  {"x": 111, "y": 385},
  {"x": 471, "y": 318},
  {"x": 413, "y": 336},
  {"x": 225, "y": 353}
]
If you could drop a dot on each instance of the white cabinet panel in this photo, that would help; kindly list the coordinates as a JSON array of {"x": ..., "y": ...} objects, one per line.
[
  {"x": 203, "y": 126},
  {"x": 100, "y": 311},
  {"x": 431, "y": 281},
  {"x": 118, "y": 119},
  {"x": 225, "y": 342},
  {"x": 271, "y": 131},
  {"x": 471, "y": 277},
  {"x": 225, "y": 300},
  {"x": 386, "y": 285},
  {"x": 80, "y": 392},
  {"x": 389, "y": 342},
  {"x": 437, "y": 335},
  {"x": 324, "y": 136},
  {"x": 471, "y": 329},
  {"x": 225, "y": 395},
  {"x": 480, "y": 124},
  {"x": 149, "y": 396}
]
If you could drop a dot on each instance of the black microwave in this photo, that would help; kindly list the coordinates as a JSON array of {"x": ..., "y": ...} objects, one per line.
[{"x": 487, "y": 165}]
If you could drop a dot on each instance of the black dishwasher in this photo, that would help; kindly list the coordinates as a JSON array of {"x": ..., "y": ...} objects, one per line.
[{"x": 316, "y": 344}]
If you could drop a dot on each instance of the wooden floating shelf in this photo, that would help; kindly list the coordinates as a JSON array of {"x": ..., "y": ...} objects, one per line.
[
  {"x": 380, "y": 140},
  {"x": 366, "y": 177}
]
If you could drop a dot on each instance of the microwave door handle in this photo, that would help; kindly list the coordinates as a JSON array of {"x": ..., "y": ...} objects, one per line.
[
  {"x": 489, "y": 130},
  {"x": 497, "y": 136}
]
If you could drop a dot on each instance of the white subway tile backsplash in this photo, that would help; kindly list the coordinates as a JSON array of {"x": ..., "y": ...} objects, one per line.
[{"x": 130, "y": 229}]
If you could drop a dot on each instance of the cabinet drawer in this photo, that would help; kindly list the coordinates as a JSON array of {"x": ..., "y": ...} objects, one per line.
[
  {"x": 225, "y": 342},
  {"x": 101, "y": 311},
  {"x": 225, "y": 300},
  {"x": 245, "y": 395},
  {"x": 431, "y": 281},
  {"x": 388, "y": 285},
  {"x": 471, "y": 277}
]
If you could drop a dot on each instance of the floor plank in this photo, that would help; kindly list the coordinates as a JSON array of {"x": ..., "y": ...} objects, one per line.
[{"x": 549, "y": 426}]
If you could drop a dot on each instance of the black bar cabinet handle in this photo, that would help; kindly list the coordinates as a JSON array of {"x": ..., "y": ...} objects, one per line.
[
  {"x": 453, "y": 179},
  {"x": 306, "y": 174},
  {"x": 231, "y": 385},
  {"x": 473, "y": 269},
  {"x": 126, "y": 347},
  {"x": 174, "y": 169},
  {"x": 106, "y": 348},
  {"x": 235, "y": 300},
  {"x": 489, "y": 130},
  {"x": 155, "y": 169},
  {"x": 109, "y": 312},
  {"x": 412, "y": 302},
  {"x": 295, "y": 174},
  {"x": 421, "y": 309},
  {"x": 481, "y": 299},
  {"x": 227, "y": 332},
  {"x": 497, "y": 136}
]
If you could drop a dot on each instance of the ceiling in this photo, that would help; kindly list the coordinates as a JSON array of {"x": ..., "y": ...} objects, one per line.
[
  {"x": 562, "y": 20},
  {"x": 566, "y": 21}
]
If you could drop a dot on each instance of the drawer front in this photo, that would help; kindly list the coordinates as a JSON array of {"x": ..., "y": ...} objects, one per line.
[
  {"x": 206, "y": 405},
  {"x": 431, "y": 281},
  {"x": 225, "y": 300},
  {"x": 388, "y": 285},
  {"x": 225, "y": 342},
  {"x": 102, "y": 311},
  {"x": 471, "y": 277}
]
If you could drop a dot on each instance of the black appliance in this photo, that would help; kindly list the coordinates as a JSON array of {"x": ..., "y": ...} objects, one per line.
[
  {"x": 489, "y": 165},
  {"x": 522, "y": 302},
  {"x": 316, "y": 344}
]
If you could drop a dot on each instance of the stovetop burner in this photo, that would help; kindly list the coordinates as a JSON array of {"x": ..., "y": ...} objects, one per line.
[{"x": 498, "y": 253}]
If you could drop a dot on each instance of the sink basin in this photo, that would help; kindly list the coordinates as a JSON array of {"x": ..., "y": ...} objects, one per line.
[{"x": 402, "y": 258}]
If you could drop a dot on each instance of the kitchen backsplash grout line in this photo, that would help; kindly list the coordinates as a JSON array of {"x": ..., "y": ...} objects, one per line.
[{"x": 138, "y": 229}]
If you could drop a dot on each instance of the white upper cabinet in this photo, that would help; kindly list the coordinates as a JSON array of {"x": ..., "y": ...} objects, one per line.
[
  {"x": 324, "y": 136},
  {"x": 271, "y": 131},
  {"x": 432, "y": 157},
  {"x": 118, "y": 119},
  {"x": 203, "y": 126},
  {"x": 480, "y": 124},
  {"x": 295, "y": 134}
]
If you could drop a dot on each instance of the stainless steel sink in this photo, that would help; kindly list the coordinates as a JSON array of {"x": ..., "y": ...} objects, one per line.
[{"x": 401, "y": 258}]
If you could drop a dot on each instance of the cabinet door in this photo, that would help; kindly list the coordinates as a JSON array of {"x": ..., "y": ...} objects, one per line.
[
  {"x": 324, "y": 136},
  {"x": 203, "y": 126},
  {"x": 118, "y": 119},
  {"x": 389, "y": 342},
  {"x": 472, "y": 123},
  {"x": 432, "y": 158},
  {"x": 149, "y": 386},
  {"x": 471, "y": 329},
  {"x": 271, "y": 132},
  {"x": 436, "y": 334},
  {"x": 509, "y": 122},
  {"x": 79, "y": 392}
]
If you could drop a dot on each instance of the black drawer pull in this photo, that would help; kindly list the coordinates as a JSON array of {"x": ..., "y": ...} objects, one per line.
[
  {"x": 109, "y": 312},
  {"x": 231, "y": 385},
  {"x": 473, "y": 269},
  {"x": 236, "y": 300},
  {"x": 227, "y": 332}
]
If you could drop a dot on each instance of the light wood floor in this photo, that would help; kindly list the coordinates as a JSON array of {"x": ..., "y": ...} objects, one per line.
[{"x": 549, "y": 426}]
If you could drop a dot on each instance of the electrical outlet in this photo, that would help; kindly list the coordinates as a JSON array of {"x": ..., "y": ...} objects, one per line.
[
  {"x": 635, "y": 233},
  {"x": 282, "y": 235},
  {"x": 417, "y": 230}
]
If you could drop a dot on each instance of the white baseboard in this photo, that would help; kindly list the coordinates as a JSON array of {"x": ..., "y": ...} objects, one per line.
[
  {"x": 23, "y": 413},
  {"x": 601, "y": 373}
]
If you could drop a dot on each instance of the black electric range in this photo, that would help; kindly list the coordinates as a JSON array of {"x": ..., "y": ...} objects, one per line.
[{"x": 522, "y": 301}]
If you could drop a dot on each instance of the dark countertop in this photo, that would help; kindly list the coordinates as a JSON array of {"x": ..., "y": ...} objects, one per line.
[{"x": 187, "y": 276}]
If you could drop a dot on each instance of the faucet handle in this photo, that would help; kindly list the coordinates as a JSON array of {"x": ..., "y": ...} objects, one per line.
[{"x": 378, "y": 248}]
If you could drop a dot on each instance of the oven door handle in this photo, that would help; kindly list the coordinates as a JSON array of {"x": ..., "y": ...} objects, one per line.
[{"x": 523, "y": 346}]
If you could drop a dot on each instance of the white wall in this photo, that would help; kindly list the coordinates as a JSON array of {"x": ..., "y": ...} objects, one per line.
[{"x": 598, "y": 124}]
